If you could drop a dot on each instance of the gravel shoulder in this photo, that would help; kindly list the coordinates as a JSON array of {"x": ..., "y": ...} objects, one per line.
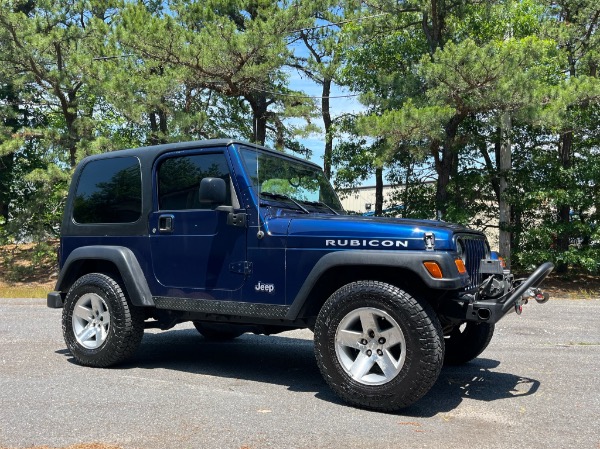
[{"x": 536, "y": 386}]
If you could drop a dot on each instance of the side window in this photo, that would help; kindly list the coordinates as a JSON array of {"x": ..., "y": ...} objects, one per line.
[
  {"x": 179, "y": 180},
  {"x": 109, "y": 191}
]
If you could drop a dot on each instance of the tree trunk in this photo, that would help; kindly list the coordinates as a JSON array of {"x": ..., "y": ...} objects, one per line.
[
  {"x": 7, "y": 161},
  {"x": 71, "y": 139},
  {"x": 153, "y": 129},
  {"x": 6, "y": 179},
  {"x": 564, "y": 210},
  {"x": 379, "y": 191},
  {"x": 164, "y": 130},
  {"x": 446, "y": 162},
  {"x": 158, "y": 127},
  {"x": 505, "y": 166},
  {"x": 259, "y": 105},
  {"x": 443, "y": 168},
  {"x": 406, "y": 193},
  {"x": 327, "y": 123}
]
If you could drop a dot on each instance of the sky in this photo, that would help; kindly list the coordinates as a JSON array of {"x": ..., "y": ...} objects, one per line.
[{"x": 339, "y": 106}]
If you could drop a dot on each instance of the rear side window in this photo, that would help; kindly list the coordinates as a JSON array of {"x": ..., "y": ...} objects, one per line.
[
  {"x": 109, "y": 191},
  {"x": 179, "y": 180}
]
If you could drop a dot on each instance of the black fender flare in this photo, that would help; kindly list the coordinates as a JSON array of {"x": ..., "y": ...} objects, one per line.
[
  {"x": 131, "y": 273},
  {"x": 410, "y": 260}
]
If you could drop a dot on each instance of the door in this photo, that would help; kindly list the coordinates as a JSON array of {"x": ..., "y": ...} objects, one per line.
[{"x": 193, "y": 246}]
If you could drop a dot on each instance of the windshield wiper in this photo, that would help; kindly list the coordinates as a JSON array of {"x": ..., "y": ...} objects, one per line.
[
  {"x": 322, "y": 204},
  {"x": 279, "y": 196}
]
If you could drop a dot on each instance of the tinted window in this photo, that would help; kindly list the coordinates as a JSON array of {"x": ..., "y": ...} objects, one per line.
[
  {"x": 179, "y": 180},
  {"x": 281, "y": 176},
  {"x": 109, "y": 191}
]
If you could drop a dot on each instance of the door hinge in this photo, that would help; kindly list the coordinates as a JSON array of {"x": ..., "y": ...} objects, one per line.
[
  {"x": 244, "y": 268},
  {"x": 239, "y": 219}
]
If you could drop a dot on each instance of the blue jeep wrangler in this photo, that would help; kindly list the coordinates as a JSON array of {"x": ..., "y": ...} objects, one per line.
[{"x": 238, "y": 238}]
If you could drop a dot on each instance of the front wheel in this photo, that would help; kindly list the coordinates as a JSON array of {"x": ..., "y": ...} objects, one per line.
[
  {"x": 100, "y": 326},
  {"x": 378, "y": 347},
  {"x": 467, "y": 341}
]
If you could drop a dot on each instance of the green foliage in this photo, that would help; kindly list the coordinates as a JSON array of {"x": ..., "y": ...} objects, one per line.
[
  {"x": 417, "y": 198},
  {"x": 210, "y": 53},
  {"x": 537, "y": 247},
  {"x": 37, "y": 195},
  {"x": 78, "y": 78},
  {"x": 438, "y": 79},
  {"x": 437, "y": 84}
]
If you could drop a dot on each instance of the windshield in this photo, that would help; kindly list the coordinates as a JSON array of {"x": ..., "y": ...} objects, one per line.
[{"x": 290, "y": 184}]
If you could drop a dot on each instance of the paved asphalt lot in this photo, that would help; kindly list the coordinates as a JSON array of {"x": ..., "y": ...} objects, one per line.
[{"x": 536, "y": 386}]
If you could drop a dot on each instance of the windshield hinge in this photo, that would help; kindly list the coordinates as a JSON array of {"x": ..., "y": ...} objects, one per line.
[
  {"x": 429, "y": 241},
  {"x": 244, "y": 267}
]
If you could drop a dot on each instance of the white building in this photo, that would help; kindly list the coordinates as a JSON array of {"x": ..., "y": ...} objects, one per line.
[{"x": 362, "y": 199}]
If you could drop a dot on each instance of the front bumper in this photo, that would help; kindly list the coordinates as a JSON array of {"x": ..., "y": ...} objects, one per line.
[{"x": 479, "y": 307}]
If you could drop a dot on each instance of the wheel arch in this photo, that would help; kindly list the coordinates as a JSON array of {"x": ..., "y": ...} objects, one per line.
[
  {"x": 404, "y": 271},
  {"x": 112, "y": 260}
]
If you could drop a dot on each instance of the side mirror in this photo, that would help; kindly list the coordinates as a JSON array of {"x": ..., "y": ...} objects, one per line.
[{"x": 212, "y": 191}]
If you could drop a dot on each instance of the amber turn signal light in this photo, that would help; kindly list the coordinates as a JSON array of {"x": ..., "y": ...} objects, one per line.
[
  {"x": 434, "y": 269},
  {"x": 460, "y": 265}
]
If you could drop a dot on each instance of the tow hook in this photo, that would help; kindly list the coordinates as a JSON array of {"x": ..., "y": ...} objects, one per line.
[
  {"x": 536, "y": 293},
  {"x": 541, "y": 297},
  {"x": 519, "y": 306}
]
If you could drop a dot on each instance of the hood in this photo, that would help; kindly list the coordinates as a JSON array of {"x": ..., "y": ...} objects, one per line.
[{"x": 375, "y": 233}]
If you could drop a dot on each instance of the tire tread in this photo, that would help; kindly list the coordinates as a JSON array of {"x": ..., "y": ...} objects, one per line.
[
  {"x": 126, "y": 329},
  {"x": 423, "y": 320}
]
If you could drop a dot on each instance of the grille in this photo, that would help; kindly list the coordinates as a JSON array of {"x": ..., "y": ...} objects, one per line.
[{"x": 475, "y": 249}]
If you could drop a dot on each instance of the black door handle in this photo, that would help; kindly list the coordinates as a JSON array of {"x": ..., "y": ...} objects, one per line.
[{"x": 166, "y": 223}]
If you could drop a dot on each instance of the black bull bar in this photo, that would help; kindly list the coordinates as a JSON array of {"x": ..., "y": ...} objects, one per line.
[{"x": 492, "y": 310}]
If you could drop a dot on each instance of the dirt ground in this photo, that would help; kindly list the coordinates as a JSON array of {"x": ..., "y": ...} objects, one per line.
[
  {"x": 579, "y": 287},
  {"x": 25, "y": 270},
  {"x": 28, "y": 264}
]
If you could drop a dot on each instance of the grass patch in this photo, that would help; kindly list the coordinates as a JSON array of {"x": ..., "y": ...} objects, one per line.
[
  {"x": 576, "y": 286},
  {"x": 25, "y": 291}
]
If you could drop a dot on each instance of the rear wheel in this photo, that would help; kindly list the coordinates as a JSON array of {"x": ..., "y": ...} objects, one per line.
[
  {"x": 467, "y": 341},
  {"x": 378, "y": 347},
  {"x": 100, "y": 326}
]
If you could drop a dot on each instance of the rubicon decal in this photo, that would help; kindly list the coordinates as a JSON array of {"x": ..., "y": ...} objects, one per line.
[
  {"x": 267, "y": 288},
  {"x": 371, "y": 243}
]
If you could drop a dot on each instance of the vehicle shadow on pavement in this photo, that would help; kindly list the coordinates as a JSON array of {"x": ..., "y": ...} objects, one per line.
[
  {"x": 274, "y": 359},
  {"x": 282, "y": 360},
  {"x": 474, "y": 380}
]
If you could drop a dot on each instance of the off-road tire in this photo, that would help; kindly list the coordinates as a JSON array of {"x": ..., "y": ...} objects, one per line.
[
  {"x": 466, "y": 342},
  {"x": 217, "y": 332},
  {"x": 421, "y": 353},
  {"x": 119, "y": 339}
]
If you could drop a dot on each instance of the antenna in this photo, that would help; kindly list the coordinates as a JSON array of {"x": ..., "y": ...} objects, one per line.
[{"x": 260, "y": 234}]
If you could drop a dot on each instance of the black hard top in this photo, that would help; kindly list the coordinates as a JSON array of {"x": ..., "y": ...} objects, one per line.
[
  {"x": 146, "y": 156},
  {"x": 150, "y": 153}
]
